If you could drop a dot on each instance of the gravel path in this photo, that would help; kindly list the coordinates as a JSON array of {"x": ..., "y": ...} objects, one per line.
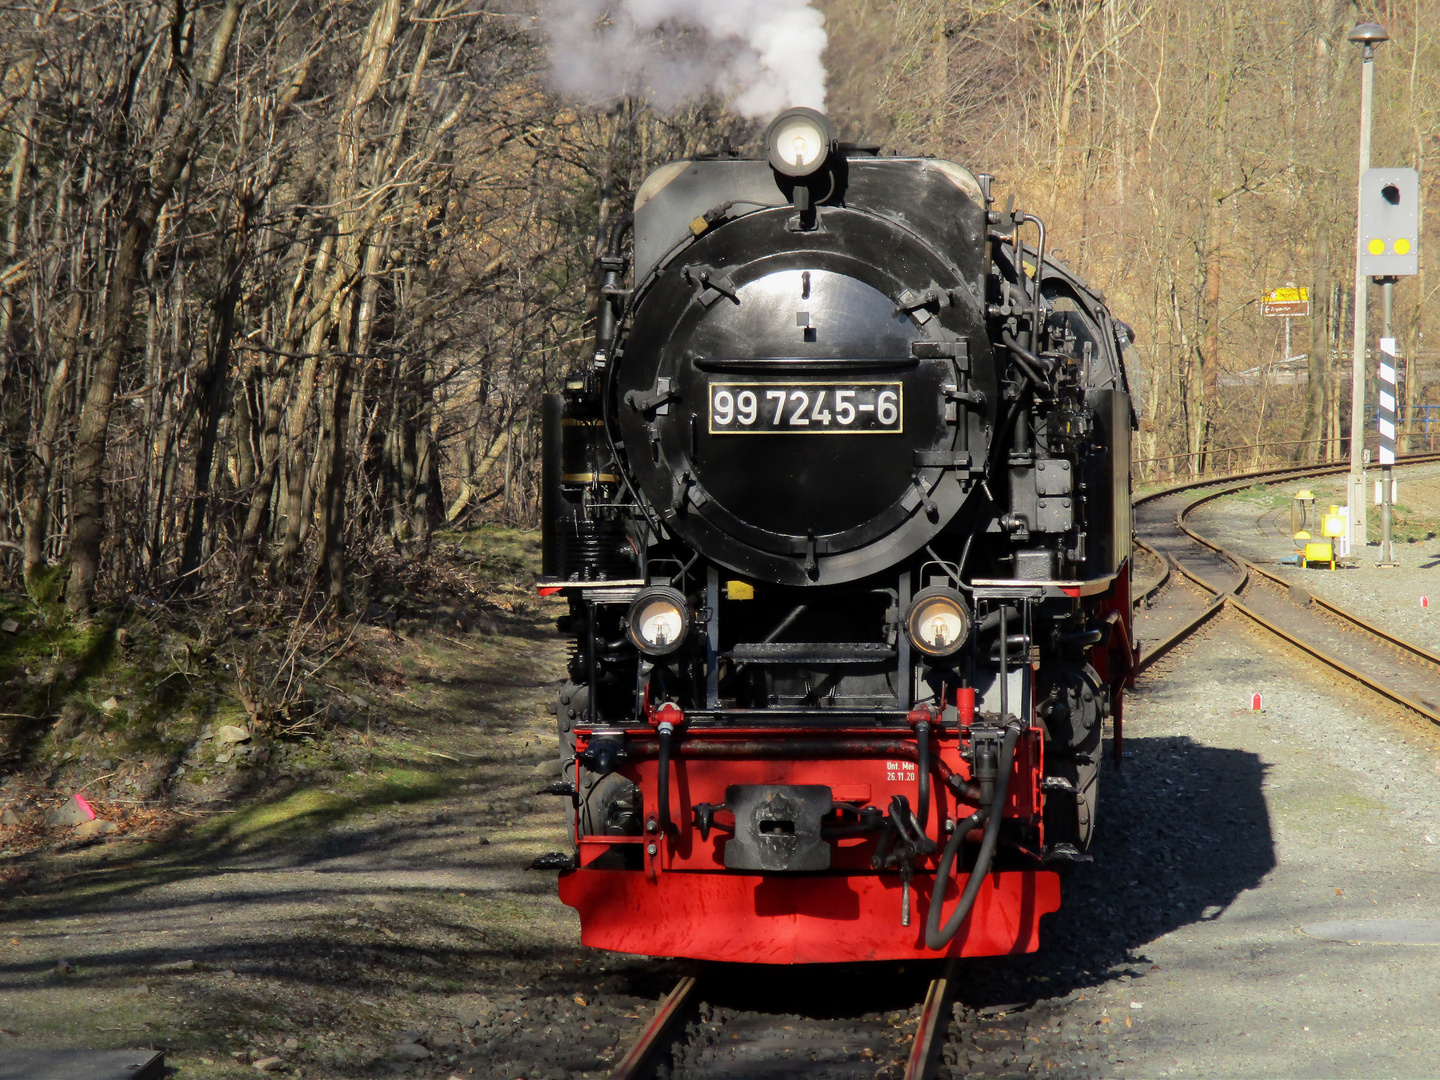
[
  {"x": 1341, "y": 814},
  {"x": 399, "y": 934}
]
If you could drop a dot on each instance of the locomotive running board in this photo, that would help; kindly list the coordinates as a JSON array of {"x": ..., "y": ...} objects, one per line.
[{"x": 1088, "y": 587}]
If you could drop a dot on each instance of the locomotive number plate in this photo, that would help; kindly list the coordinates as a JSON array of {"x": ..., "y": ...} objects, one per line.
[{"x": 808, "y": 408}]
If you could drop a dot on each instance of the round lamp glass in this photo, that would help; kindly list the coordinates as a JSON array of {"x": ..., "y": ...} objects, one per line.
[
  {"x": 938, "y": 624},
  {"x": 800, "y": 143},
  {"x": 659, "y": 622}
]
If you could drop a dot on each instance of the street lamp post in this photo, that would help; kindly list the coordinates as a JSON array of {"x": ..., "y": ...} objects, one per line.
[{"x": 1367, "y": 36}]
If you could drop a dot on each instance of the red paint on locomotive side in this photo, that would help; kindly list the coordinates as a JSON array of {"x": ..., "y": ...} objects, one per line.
[{"x": 809, "y": 919}]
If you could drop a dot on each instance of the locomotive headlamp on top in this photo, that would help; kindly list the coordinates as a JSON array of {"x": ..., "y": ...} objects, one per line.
[
  {"x": 938, "y": 623},
  {"x": 660, "y": 621},
  {"x": 799, "y": 142}
]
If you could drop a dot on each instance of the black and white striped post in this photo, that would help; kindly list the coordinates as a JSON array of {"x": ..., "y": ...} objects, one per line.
[
  {"x": 1385, "y": 416},
  {"x": 1387, "y": 244}
]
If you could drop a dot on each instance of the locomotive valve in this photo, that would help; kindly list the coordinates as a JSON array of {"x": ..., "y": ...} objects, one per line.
[{"x": 987, "y": 765}]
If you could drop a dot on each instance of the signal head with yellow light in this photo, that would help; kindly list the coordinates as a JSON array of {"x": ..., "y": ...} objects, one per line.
[
  {"x": 799, "y": 142},
  {"x": 938, "y": 623},
  {"x": 1389, "y": 222},
  {"x": 660, "y": 621}
]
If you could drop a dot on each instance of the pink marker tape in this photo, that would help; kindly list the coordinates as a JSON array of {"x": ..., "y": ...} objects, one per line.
[{"x": 80, "y": 800}]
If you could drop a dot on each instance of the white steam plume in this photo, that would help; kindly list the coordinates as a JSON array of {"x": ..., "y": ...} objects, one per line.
[{"x": 761, "y": 56}]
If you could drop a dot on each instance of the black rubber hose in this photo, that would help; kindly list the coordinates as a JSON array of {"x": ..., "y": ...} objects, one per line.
[
  {"x": 662, "y": 799},
  {"x": 617, "y": 233},
  {"x": 1031, "y": 360},
  {"x": 922, "y": 768},
  {"x": 936, "y": 936}
]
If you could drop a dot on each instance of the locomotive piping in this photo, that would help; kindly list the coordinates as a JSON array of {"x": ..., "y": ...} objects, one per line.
[
  {"x": 618, "y": 231},
  {"x": 1004, "y": 674},
  {"x": 1023, "y": 358},
  {"x": 922, "y": 770},
  {"x": 1039, "y": 277},
  {"x": 936, "y": 936},
  {"x": 607, "y": 318}
]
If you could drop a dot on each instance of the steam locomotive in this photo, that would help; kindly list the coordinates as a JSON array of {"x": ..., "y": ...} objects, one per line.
[{"x": 841, "y": 507}]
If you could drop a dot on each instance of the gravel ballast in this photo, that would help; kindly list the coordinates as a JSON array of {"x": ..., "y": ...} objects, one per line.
[{"x": 1252, "y": 525}]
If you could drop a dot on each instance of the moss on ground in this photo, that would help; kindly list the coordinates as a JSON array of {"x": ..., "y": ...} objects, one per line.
[
  {"x": 405, "y": 773},
  {"x": 126, "y": 707}
]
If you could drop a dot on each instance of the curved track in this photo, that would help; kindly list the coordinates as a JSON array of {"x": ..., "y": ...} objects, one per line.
[{"x": 1342, "y": 640}]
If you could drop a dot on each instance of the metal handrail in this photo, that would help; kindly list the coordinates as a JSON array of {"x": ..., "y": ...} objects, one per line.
[{"x": 1211, "y": 451}]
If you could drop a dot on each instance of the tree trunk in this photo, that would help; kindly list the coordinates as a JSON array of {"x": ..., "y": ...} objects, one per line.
[
  {"x": 214, "y": 382},
  {"x": 87, "y": 512},
  {"x": 332, "y": 549},
  {"x": 1317, "y": 363},
  {"x": 35, "y": 507}
]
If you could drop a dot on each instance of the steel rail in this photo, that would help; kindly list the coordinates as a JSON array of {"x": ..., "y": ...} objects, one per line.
[
  {"x": 1159, "y": 648},
  {"x": 1384, "y": 690},
  {"x": 1237, "y": 482},
  {"x": 1414, "y": 651},
  {"x": 934, "y": 1025},
  {"x": 657, "y": 1035},
  {"x": 647, "y": 1052},
  {"x": 1354, "y": 622},
  {"x": 1231, "y": 596},
  {"x": 1228, "y": 485},
  {"x": 1147, "y": 591}
]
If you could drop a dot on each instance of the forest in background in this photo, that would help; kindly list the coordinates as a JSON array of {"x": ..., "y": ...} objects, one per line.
[
  {"x": 1188, "y": 157},
  {"x": 281, "y": 283}
]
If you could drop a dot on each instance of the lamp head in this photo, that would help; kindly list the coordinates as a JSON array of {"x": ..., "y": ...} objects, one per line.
[
  {"x": 799, "y": 142},
  {"x": 1368, "y": 34}
]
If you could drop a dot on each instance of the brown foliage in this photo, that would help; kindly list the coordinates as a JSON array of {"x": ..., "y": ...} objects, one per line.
[
  {"x": 1188, "y": 157},
  {"x": 281, "y": 284}
]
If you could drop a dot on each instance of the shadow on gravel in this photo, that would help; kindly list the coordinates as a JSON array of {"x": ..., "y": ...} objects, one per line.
[
  {"x": 821, "y": 992},
  {"x": 1183, "y": 831}
]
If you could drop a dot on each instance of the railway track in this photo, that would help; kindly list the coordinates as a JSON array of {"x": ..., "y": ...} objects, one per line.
[
  {"x": 1342, "y": 640},
  {"x": 701, "y": 1030},
  {"x": 704, "y": 1031}
]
